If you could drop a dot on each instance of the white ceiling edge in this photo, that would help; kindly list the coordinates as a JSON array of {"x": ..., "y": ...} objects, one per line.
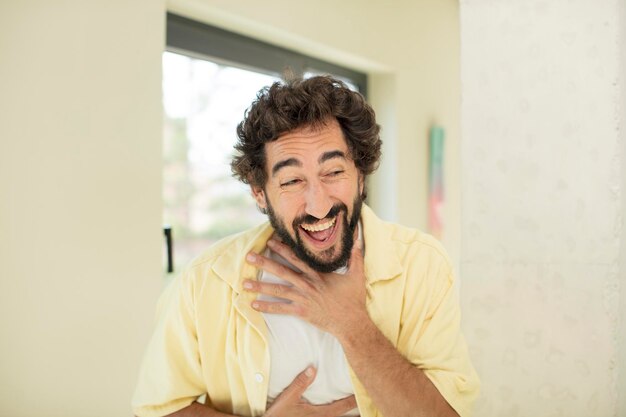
[{"x": 206, "y": 13}]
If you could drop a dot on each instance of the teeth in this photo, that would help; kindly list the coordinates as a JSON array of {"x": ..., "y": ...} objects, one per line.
[{"x": 318, "y": 227}]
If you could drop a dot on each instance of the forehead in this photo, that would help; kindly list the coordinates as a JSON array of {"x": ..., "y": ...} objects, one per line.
[{"x": 306, "y": 143}]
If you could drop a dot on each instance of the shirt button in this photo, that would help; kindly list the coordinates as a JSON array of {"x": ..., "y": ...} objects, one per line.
[{"x": 258, "y": 377}]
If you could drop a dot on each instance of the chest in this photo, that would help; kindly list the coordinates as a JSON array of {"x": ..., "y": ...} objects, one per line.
[
  {"x": 294, "y": 345},
  {"x": 248, "y": 359}
]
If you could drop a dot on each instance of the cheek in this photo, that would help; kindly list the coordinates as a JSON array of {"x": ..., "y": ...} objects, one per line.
[
  {"x": 347, "y": 192},
  {"x": 288, "y": 209}
]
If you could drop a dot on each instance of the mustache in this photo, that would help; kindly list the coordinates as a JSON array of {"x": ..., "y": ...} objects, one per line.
[{"x": 308, "y": 219}]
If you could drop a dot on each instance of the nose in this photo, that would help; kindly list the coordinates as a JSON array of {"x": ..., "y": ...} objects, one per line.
[{"x": 317, "y": 200}]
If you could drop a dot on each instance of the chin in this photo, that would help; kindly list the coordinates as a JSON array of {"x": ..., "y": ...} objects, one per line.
[{"x": 321, "y": 255}]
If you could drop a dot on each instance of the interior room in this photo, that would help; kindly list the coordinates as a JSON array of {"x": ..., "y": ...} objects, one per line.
[{"x": 525, "y": 187}]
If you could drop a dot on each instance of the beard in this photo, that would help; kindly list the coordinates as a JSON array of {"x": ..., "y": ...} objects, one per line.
[{"x": 320, "y": 263}]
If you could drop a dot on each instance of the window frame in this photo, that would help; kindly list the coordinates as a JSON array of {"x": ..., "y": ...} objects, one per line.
[{"x": 190, "y": 37}]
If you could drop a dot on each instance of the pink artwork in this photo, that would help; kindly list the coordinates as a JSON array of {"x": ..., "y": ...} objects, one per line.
[{"x": 435, "y": 181}]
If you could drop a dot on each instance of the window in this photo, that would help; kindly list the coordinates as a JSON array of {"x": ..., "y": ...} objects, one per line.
[{"x": 210, "y": 77}]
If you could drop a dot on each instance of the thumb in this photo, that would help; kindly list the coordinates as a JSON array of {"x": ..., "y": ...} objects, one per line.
[
  {"x": 356, "y": 256},
  {"x": 300, "y": 383}
]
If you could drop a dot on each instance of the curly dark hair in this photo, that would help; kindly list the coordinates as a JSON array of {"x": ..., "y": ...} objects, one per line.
[{"x": 298, "y": 103}]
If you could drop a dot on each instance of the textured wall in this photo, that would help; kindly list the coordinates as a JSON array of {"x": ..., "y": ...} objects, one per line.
[
  {"x": 541, "y": 204},
  {"x": 621, "y": 383}
]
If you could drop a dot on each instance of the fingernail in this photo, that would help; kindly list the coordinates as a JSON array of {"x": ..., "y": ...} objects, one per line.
[
  {"x": 255, "y": 305},
  {"x": 309, "y": 372},
  {"x": 247, "y": 285},
  {"x": 251, "y": 257},
  {"x": 271, "y": 243}
]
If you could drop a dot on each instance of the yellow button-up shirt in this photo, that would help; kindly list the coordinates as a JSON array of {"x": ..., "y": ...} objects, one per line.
[{"x": 209, "y": 340}]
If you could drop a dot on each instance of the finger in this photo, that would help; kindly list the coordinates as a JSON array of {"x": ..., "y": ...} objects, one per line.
[
  {"x": 300, "y": 383},
  {"x": 275, "y": 307},
  {"x": 287, "y": 253},
  {"x": 339, "y": 407},
  {"x": 278, "y": 269},
  {"x": 275, "y": 290}
]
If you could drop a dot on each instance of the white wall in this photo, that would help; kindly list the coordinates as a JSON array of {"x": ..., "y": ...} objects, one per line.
[
  {"x": 543, "y": 201},
  {"x": 411, "y": 52},
  {"x": 80, "y": 202}
]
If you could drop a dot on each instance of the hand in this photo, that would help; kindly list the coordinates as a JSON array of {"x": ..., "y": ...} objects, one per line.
[
  {"x": 332, "y": 302},
  {"x": 290, "y": 402}
]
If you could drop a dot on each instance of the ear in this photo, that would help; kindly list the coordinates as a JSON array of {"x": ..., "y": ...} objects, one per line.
[
  {"x": 361, "y": 183},
  {"x": 259, "y": 196}
]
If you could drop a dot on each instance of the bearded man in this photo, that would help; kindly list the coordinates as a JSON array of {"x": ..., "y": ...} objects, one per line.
[{"x": 325, "y": 310}]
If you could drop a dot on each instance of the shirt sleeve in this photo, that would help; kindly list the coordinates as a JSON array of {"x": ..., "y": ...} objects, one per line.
[
  {"x": 170, "y": 377},
  {"x": 432, "y": 335}
]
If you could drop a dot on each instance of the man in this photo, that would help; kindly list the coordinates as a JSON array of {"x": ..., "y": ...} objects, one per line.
[{"x": 326, "y": 310}]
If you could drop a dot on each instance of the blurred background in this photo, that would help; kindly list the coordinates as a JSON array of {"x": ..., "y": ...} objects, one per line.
[{"x": 504, "y": 135}]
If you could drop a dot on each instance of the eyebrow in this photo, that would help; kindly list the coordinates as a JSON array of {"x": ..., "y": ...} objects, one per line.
[
  {"x": 285, "y": 163},
  {"x": 294, "y": 162},
  {"x": 330, "y": 155}
]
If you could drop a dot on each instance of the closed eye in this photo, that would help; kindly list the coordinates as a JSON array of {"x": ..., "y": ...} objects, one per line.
[
  {"x": 291, "y": 182},
  {"x": 335, "y": 173}
]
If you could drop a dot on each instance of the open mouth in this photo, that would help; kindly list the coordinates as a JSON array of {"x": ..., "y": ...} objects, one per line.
[{"x": 320, "y": 233}]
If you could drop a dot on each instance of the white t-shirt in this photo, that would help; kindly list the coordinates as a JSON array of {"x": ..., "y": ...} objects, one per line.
[{"x": 295, "y": 344}]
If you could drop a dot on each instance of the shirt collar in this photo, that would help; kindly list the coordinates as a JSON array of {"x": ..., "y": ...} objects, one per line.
[{"x": 381, "y": 260}]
